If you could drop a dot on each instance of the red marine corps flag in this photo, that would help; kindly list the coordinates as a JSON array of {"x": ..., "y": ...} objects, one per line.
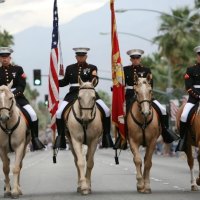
[{"x": 118, "y": 83}]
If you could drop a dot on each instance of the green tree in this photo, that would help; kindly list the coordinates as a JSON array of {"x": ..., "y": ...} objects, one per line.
[
  {"x": 176, "y": 40},
  {"x": 6, "y": 39},
  {"x": 105, "y": 97},
  {"x": 197, "y": 4}
]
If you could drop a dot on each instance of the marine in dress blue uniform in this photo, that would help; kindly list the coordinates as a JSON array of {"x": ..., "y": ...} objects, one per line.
[
  {"x": 15, "y": 73},
  {"x": 87, "y": 72},
  {"x": 136, "y": 68},
  {"x": 192, "y": 85}
]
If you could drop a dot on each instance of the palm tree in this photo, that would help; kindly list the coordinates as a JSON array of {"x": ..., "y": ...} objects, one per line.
[
  {"x": 197, "y": 3},
  {"x": 177, "y": 39},
  {"x": 6, "y": 39}
]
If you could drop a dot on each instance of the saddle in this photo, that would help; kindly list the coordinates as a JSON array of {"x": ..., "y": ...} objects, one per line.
[
  {"x": 68, "y": 108},
  {"x": 192, "y": 114},
  {"x": 25, "y": 115}
]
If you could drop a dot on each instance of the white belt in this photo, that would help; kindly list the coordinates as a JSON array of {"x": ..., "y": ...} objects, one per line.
[
  {"x": 74, "y": 85},
  {"x": 128, "y": 87},
  {"x": 196, "y": 86},
  {"x": 13, "y": 89}
]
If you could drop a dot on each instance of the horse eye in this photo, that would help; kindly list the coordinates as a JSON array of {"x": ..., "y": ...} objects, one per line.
[{"x": 10, "y": 98}]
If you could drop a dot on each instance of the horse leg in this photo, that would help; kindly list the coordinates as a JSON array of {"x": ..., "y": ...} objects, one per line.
[
  {"x": 16, "y": 171},
  {"x": 138, "y": 164},
  {"x": 78, "y": 172},
  {"x": 198, "y": 158},
  {"x": 90, "y": 162},
  {"x": 190, "y": 161},
  {"x": 81, "y": 165},
  {"x": 147, "y": 166},
  {"x": 21, "y": 164},
  {"x": 6, "y": 170}
]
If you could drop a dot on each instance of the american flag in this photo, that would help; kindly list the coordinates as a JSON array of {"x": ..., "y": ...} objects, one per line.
[{"x": 53, "y": 71}]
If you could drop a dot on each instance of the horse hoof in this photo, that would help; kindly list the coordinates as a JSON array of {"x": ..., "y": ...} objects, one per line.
[
  {"x": 85, "y": 192},
  {"x": 15, "y": 195},
  {"x": 79, "y": 189},
  {"x": 140, "y": 188},
  {"x": 7, "y": 194},
  {"x": 198, "y": 181},
  {"x": 194, "y": 188},
  {"x": 147, "y": 191}
]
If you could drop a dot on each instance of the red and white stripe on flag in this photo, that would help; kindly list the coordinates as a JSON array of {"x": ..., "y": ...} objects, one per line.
[
  {"x": 174, "y": 105},
  {"x": 53, "y": 71},
  {"x": 53, "y": 87}
]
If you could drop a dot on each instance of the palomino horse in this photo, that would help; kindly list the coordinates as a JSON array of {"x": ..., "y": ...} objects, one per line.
[
  {"x": 13, "y": 137},
  {"x": 143, "y": 129},
  {"x": 193, "y": 139},
  {"x": 84, "y": 127}
]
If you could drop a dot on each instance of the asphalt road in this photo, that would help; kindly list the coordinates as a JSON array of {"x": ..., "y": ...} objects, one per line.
[{"x": 42, "y": 180}]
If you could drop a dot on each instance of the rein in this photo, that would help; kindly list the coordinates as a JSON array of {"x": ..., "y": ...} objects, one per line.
[{"x": 84, "y": 123}]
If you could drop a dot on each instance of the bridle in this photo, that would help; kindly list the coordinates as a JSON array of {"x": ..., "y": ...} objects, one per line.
[
  {"x": 7, "y": 130},
  {"x": 87, "y": 108},
  {"x": 9, "y": 109},
  {"x": 143, "y": 101}
]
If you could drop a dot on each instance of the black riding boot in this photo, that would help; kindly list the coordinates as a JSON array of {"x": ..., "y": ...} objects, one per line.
[
  {"x": 60, "y": 142},
  {"x": 37, "y": 144},
  {"x": 106, "y": 140},
  {"x": 183, "y": 134},
  {"x": 168, "y": 136}
]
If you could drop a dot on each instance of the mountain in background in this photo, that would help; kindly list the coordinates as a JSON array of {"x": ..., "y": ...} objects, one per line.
[{"x": 32, "y": 46}]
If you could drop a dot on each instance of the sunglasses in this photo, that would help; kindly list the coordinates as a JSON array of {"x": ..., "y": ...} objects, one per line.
[
  {"x": 198, "y": 53},
  {"x": 135, "y": 57}
]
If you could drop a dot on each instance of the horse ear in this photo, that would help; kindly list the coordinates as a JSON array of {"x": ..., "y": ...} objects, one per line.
[
  {"x": 80, "y": 80},
  {"x": 135, "y": 78},
  {"x": 95, "y": 80},
  {"x": 10, "y": 84},
  {"x": 149, "y": 78}
]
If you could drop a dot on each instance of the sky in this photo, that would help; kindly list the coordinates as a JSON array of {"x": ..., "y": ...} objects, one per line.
[
  {"x": 28, "y": 13},
  {"x": 80, "y": 22}
]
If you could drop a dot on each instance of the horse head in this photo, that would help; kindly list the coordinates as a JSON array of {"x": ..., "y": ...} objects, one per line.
[
  {"x": 87, "y": 100},
  {"x": 7, "y": 101},
  {"x": 143, "y": 92}
]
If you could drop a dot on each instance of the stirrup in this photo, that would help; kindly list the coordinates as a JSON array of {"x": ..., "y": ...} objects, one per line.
[
  {"x": 37, "y": 145},
  {"x": 60, "y": 143},
  {"x": 107, "y": 141},
  {"x": 182, "y": 146},
  {"x": 169, "y": 136}
]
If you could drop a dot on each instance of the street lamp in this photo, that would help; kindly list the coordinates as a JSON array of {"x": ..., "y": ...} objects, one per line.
[
  {"x": 122, "y": 10},
  {"x": 130, "y": 34}
]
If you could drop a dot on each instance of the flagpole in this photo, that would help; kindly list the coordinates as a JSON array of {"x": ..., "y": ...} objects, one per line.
[
  {"x": 53, "y": 76},
  {"x": 118, "y": 97}
]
